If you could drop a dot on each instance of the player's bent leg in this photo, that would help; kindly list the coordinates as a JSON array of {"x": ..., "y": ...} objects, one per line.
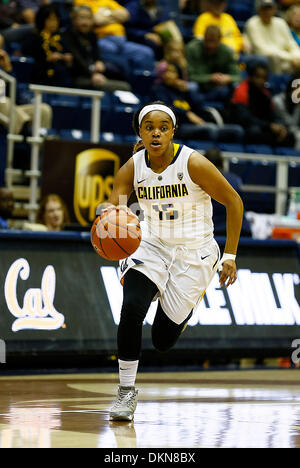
[
  {"x": 165, "y": 332},
  {"x": 138, "y": 294}
]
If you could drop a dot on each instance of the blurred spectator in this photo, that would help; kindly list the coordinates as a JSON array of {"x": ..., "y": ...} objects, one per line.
[
  {"x": 215, "y": 156},
  {"x": 283, "y": 5},
  {"x": 10, "y": 22},
  {"x": 190, "y": 120},
  {"x": 88, "y": 70},
  {"x": 174, "y": 54},
  {"x": 231, "y": 35},
  {"x": 53, "y": 213},
  {"x": 252, "y": 108},
  {"x": 184, "y": 6},
  {"x": 191, "y": 7},
  {"x": 270, "y": 36},
  {"x": 173, "y": 88},
  {"x": 9, "y": 14},
  {"x": 5, "y": 63},
  {"x": 52, "y": 60},
  {"x": 287, "y": 110},
  {"x": 6, "y": 207},
  {"x": 293, "y": 20},
  {"x": 28, "y": 9},
  {"x": 23, "y": 114},
  {"x": 109, "y": 17},
  {"x": 144, "y": 16},
  {"x": 212, "y": 65}
]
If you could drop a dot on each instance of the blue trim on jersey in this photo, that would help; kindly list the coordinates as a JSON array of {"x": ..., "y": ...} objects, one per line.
[
  {"x": 176, "y": 155},
  {"x": 172, "y": 162},
  {"x": 147, "y": 159}
]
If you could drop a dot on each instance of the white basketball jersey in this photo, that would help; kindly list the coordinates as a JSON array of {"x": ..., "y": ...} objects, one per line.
[{"x": 176, "y": 210}]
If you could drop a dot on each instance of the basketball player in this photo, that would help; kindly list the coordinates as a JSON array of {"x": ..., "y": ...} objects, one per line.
[{"x": 178, "y": 256}]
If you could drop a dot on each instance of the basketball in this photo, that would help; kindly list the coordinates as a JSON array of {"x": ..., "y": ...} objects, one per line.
[{"x": 116, "y": 234}]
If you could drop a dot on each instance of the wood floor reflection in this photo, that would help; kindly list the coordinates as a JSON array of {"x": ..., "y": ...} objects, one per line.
[{"x": 205, "y": 409}]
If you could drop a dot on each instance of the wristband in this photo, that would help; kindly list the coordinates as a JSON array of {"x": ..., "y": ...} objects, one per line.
[{"x": 227, "y": 256}]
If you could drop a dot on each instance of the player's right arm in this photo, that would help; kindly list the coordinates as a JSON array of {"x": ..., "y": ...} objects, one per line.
[{"x": 122, "y": 188}]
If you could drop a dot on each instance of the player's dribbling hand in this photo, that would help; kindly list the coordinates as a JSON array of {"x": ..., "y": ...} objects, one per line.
[
  {"x": 104, "y": 208},
  {"x": 228, "y": 273},
  {"x": 125, "y": 208}
]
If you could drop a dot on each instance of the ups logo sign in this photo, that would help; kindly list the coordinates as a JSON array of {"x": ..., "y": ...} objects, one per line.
[{"x": 95, "y": 171}]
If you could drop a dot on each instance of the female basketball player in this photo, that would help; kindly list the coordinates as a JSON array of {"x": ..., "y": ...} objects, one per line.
[{"x": 178, "y": 256}]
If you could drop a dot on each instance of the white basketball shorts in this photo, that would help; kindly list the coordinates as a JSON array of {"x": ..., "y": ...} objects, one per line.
[{"x": 180, "y": 273}]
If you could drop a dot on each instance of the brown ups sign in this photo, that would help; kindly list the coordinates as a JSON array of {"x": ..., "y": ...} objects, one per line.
[{"x": 82, "y": 174}]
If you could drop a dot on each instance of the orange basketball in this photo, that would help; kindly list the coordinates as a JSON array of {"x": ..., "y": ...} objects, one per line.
[{"x": 116, "y": 234}]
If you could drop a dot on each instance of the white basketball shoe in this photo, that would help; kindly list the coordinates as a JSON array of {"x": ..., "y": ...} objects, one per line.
[{"x": 124, "y": 407}]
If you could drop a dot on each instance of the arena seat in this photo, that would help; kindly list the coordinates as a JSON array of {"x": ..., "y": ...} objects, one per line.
[
  {"x": 129, "y": 139},
  {"x": 201, "y": 144},
  {"x": 259, "y": 149},
  {"x": 241, "y": 10},
  {"x": 142, "y": 82},
  {"x": 62, "y": 100},
  {"x": 256, "y": 173},
  {"x": 230, "y": 133},
  {"x": 24, "y": 95},
  {"x": 186, "y": 23},
  {"x": 22, "y": 68},
  {"x": 110, "y": 137},
  {"x": 286, "y": 151},
  {"x": 65, "y": 115},
  {"x": 278, "y": 83},
  {"x": 75, "y": 134},
  {"x": 231, "y": 147},
  {"x": 79, "y": 135},
  {"x": 122, "y": 120},
  {"x": 294, "y": 175}
]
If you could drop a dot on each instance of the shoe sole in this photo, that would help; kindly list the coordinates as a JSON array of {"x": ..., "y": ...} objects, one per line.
[{"x": 121, "y": 417}]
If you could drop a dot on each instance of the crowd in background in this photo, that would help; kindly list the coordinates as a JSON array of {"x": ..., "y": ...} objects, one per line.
[{"x": 100, "y": 44}]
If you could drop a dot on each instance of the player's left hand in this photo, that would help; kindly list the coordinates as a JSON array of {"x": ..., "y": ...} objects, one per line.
[{"x": 228, "y": 274}]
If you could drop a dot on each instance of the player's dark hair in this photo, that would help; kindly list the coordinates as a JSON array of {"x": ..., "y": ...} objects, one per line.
[{"x": 135, "y": 120}]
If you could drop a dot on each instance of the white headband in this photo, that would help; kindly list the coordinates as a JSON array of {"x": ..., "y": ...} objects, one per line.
[{"x": 157, "y": 107}]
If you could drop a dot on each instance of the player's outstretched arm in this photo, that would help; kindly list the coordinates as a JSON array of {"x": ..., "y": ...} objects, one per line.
[
  {"x": 210, "y": 179},
  {"x": 122, "y": 188}
]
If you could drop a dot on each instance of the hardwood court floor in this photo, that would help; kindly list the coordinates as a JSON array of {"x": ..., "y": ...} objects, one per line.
[{"x": 250, "y": 408}]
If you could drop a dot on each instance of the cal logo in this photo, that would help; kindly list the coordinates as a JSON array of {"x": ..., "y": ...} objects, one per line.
[{"x": 95, "y": 171}]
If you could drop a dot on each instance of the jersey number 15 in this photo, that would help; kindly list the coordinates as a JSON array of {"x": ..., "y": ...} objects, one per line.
[{"x": 166, "y": 211}]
